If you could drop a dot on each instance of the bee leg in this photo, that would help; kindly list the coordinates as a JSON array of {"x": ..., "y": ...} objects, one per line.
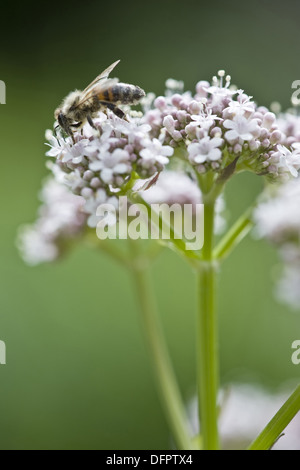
[
  {"x": 55, "y": 134},
  {"x": 91, "y": 122},
  {"x": 117, "y": 111},
  {"x": 70, "y": 133}
]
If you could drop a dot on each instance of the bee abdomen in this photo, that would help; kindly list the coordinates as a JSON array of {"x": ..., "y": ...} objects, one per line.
[{"x": 122, "y": 93}]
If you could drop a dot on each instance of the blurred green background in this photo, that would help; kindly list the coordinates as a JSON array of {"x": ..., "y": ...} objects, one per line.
[{"x": 77, "y": 373}]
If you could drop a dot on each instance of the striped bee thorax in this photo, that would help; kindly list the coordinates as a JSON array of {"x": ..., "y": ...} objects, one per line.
[{"x": 122, "y": 93}]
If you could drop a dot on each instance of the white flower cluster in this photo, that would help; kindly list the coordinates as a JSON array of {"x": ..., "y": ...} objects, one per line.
[
  {"x": 289, "y": 125},
  {"x": 101, "y": 161},
  {"x": 278, "y": 220},
  {"x": 245, "y": 411},
  {"x": 218, "y": 125},
  {"x": 60, "y": 218},
  {"x": 214, "y": 128}
]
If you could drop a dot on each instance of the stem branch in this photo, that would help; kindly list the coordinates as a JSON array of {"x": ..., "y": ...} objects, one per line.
[
  {"x": 165, "y": 377},
  {"x": 278, "y": 423},
  {"x": 234, "y": 235}
]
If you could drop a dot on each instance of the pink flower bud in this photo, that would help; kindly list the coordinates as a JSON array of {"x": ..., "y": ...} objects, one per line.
[
  {"x": 216, "y": 131},
  {"x": 88, "y": 175},
  {"x": 200, "y": 88},
  {"x": 264, "y": 133},
  {"x": 87, "y": 193},
  {"x": 176, "y": 100},
  {"x": 181, "y": 116},
  {"x": 95, "y": 183},
  {"x": 265, "y": 143},
  {"x": 268, "y": 120},
  {"x": 253, "y": 145},
  {"x": 237, "y": 148},
  {"x": 160, "y": 102},
  {"x": 276, "y": 137},
  {"x": 194, "y": 107}
]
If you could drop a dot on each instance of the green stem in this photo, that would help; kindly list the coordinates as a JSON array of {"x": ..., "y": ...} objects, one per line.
[
  {"x": 234, "y": 235},
  {"x": 165, "y": 377},
  {"x": 277, "y": 425},
  {"x": 178, "y": 243},
  {"x": 208, "y": 363},
  {"x": 108, "y": 247}
]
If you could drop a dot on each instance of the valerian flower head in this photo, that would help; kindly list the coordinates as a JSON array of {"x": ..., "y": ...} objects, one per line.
[
  {"x": 219, "y": 125},
  {"x": 278, "y": 220},
  {"x": 287, "y": 290},
  {"x": 61, "y": 217},
  {"x": 289, "y": 125},
  {"x": 102, "y": 161},
  {"x": 277, "y": 217},
  {"x": 216, "y": 131}
]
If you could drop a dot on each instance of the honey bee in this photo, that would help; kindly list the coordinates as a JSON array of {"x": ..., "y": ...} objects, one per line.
[{"x": 80, "y": 107}]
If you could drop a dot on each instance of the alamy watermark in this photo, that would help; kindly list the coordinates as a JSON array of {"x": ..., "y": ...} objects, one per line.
[
  {"x": 156, "y": 222},
  {"x": 296, "y": 94},
  {"x": 296, "y": 353},
  {"x": 2, "y": 353},
  {"x": 2, "y": 92}
]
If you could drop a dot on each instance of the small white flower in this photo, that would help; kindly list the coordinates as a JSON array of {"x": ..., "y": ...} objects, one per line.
[
  {"x": 242, "y": 105},
  {"x": 241, "y": 128},
  {"x": 278, "y": 220},
  {"x": 76, "y": 152},
  {"x": 56, "y": 149},
  {"x": 170, "y": 124},
  {"x": 61, "y": 216},
  {"x": 278, "y": 217},
  {"x": 154, "y": 152},
  {"x": 289, "y": 124},
  {"x": 111, "y": 164},
  {"x": 131, "y": 129},
  {"x": 204, "y": 119},
  {"x": 35, "y": 248},
  {"x": 289, "y": 161},
  {"x": 61, "y": 211},
  {"x": 219, "y": 95},
  {"x": 205, "y": 150},
  {"x": 93, "y": 203}
]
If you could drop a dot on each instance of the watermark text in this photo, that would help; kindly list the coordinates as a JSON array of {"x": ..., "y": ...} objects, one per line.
[
  {"x": 155, "y": 222},
  {"x": 296, "y": 94},
  {"x": 296, "y": 353},
  {"x": 2, "y": 353},
  {"x": 2, "y": 92}
]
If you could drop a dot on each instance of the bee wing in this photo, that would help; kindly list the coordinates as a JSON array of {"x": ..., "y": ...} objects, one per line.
[
  {"x": 104, "y": 75},
  {"x": 96, "y": 89}
]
